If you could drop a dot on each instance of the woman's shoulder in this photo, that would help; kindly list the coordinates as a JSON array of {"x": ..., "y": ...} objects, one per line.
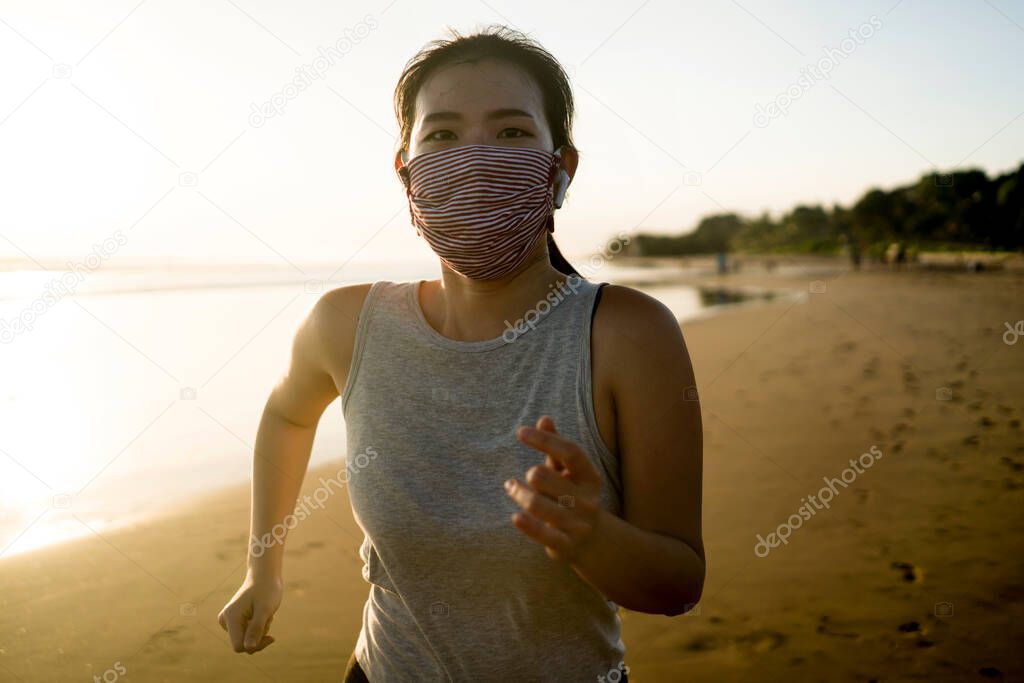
[
  {"x": 635, "y": 335},
  {"x": 337, "y": 314},
  {"x": 623, "y": 310},
  {"x": 341, "y": 305}
]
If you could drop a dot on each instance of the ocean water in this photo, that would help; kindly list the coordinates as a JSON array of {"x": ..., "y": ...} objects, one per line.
[{"x": 131, "y": 389}]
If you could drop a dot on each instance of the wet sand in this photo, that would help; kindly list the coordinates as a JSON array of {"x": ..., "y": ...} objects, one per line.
[{"x": 911, "y": 573}]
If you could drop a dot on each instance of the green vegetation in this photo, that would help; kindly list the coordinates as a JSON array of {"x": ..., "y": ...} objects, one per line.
[{"x": 958, "y": 211}]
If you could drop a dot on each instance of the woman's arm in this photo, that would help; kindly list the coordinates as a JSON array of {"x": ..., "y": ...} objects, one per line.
[
  {"x": 660, "y": 444},
  {"x": 651, "y": 559},
  {"x": 283, "y": 443}
]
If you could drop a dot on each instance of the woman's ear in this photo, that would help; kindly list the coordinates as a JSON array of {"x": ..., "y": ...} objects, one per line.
[{"x": 569, "y": 158}]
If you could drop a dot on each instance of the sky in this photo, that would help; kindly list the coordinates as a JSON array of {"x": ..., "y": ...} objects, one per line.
[{"x": 131, "y": 124}]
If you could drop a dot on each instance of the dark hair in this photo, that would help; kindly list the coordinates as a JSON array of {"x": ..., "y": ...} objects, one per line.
[{"x": 501, "y": 43}]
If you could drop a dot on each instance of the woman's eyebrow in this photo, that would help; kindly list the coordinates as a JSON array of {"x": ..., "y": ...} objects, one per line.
[{"x": 495, "y": 114}]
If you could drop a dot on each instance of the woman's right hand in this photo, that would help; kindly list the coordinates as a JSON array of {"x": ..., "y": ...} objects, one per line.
[{"x": 248, "y": 614}]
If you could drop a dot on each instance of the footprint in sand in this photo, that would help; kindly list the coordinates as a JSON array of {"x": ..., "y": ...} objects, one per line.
[
  {"x": 1010, "y": 593},
  {"x": 312, "y": 545},
  {"x": 972, "y": 440},
  {"x": 703, "y": 644},
  {"x": 827, "y": 628},
  {"x": 231, "y": 547},
  {"x": 910, "y": 573},
  {"x": 871, "y": 369},
  {"x": 1011, "y": 463},
  {"x": 899, "y": 428},
  {"x": 909, "y": 378},
  {"x": 762, "y": 641},
  {"x": 914, "y": 630},
  {"x": 757, "y": 641},
  {"x": 171, "y": 645},
  {"x": 986, "y": 421}
]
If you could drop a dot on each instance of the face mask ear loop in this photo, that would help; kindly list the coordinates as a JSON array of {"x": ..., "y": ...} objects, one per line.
[
  {"x": 403, "y": 174},
  {"x": 413, "y": 220},
  {"x": 403, "y": 171}
]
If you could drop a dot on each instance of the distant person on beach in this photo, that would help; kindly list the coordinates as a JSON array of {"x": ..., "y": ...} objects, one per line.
[
  {"x": 896, "y": 255},
  {"x": 524, "y": 445},
  {"x": 855, "y": 255}
]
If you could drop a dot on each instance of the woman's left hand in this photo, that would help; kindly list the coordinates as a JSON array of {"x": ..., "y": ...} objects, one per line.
[{"x": 560, "y": 499}]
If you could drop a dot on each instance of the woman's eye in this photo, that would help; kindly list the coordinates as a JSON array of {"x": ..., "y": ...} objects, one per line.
[
  {"x": 436, "y": 132},
  {"x": 518, "y": 130}
]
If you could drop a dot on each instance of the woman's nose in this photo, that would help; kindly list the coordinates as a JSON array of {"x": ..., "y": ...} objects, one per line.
[{"x": 475, "y": 136}]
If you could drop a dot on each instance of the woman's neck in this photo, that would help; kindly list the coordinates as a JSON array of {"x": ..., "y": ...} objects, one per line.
[{"x": 474, "y": 310}]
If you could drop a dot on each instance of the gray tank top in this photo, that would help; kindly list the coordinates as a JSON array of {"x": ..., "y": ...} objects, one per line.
[{"x": 457, "y": 593}]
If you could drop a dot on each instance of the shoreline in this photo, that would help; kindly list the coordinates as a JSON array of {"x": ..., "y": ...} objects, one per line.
[{"x": 58, "y": 526}]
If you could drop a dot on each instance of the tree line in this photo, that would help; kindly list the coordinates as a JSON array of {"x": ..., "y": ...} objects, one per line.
[{"x": 962, "y": 210}]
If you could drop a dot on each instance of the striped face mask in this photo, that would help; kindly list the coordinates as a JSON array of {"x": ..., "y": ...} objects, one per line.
[{"x": 482, "y": 207}]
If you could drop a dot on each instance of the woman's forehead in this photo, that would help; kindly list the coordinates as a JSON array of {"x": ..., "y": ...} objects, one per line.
[{"x": 473, "y": 88}]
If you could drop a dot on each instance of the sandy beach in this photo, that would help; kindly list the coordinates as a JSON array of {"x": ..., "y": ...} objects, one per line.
[{"x": 908, "y": 574}]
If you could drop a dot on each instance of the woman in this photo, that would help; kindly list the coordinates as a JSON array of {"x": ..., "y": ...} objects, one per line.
[{"x": 534, "y": 437}]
